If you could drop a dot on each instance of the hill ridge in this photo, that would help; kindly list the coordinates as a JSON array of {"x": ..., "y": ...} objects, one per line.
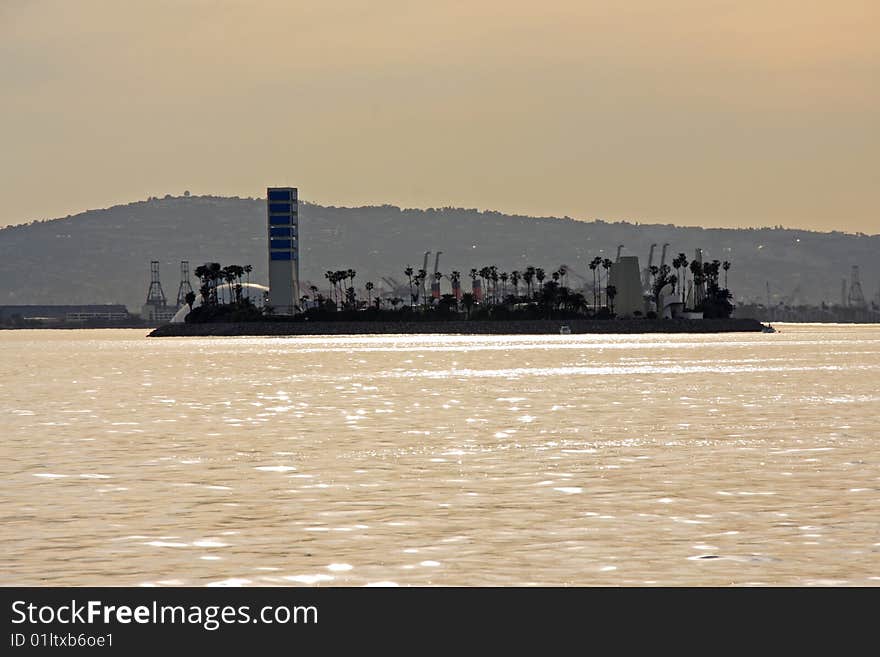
[{"x": 102, "y": 255}]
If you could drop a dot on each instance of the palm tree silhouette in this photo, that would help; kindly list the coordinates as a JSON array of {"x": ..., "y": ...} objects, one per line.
[
  {"x": 606, "y": 265},
  {"x": 563, "y": 272},
  {"x": 611, "y": 292},
  {"x": 409, "y": 274},
  {"x": 467, "y": 300},
  {"x": 528, "y": 277},
  {"x": 697, "y": 273},
  {"x": 455, "y": 280},
  {"x": 680, "y": 263},
  {"x": 594, "y": 265}
]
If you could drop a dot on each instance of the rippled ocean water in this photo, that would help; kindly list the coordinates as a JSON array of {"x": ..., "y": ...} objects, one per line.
[{"x": 743, "y": 459}]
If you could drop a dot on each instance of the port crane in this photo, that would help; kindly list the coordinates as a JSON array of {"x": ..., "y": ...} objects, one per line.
[{"x": 663, "y": 254}]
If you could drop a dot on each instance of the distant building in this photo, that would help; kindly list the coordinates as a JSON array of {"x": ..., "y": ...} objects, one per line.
[
  {"x": 51, "y": 314},
  {"x": 283, "y": 236}
]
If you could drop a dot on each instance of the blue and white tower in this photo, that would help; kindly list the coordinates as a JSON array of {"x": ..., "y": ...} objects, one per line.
[{"x": 283, "y": 232}]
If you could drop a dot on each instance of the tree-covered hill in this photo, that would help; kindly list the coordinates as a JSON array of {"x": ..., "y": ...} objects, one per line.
[{"x": 102, "y": 256}]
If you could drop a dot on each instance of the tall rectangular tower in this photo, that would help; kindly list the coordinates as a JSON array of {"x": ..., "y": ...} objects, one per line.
[{"x": 283, "y": 233}]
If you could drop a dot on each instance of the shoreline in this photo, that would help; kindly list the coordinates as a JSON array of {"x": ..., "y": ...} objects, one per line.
[
  {"x": 460, "y": 327},
  {"x": 75, "y": 327}
]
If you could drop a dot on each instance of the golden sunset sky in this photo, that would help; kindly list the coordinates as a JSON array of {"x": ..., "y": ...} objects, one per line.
[{"x": 695, "y": 112}]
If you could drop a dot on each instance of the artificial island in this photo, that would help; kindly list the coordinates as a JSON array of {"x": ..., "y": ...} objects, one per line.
[{"x": 683, "y": 296}]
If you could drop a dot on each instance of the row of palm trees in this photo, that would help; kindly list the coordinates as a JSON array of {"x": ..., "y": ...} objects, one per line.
[
  {"x": 489, "y": 278},
  {"x": 343, "y": 295},
  {"x": 343, "y": 291},
  {"x": 704, "y": 275},
  {"x": 491, "y": 286},
  {"x": 706, "y": 293},
  {"x": 212, "y": 275}
]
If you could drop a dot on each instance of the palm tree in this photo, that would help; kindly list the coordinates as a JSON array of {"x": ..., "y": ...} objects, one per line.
[
  {"x": 676, "y": 264},
  {"x": 239, "y": 274},
  {"x": 201, "y": 273},
  {"x": 438, "y": 276},
  {"x": 711, "y": 270},
  {"x": 216, "y": 275},
  {"x": 680, "y": 263},
  {"x": 340, "y": 282},
  {"x": 606, "y": 265},
  {"x": 350, "y": 292},
  {"x": 467, "y": 300},
  {"x": 528, "y": 276},
  {"x": 726, "y": 266},
  {"x": 409, "y": 274},
  {"x": 611, "y": 292},
  {"x": 485, "y": 273},
  {"x": 594, "y": 265},
  {"x": 331, "y": 277},
  {"x": 514, "y": 279},
  {"x": 539, "y": 275},
  {"x": 563, "y": 272},
  {"x": 369, "y": 287},
  {"x": 504, "y": 278},
  {"x": 697, "y": 273},
  {"x": 548, "y": 297},
  {"x": 564, "y": 297},
  {"x": 231, "y": 274},
  {"x": 455, "y": 279}
]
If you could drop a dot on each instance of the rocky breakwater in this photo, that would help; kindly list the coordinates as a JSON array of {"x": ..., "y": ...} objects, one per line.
[{"x": 495, "y": 327}]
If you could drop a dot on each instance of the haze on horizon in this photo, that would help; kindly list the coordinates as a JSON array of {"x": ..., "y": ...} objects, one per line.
[{"x": 694, "y": 112}]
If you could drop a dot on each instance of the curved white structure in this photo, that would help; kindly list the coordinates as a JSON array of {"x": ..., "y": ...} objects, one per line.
[
  {"x": 670, "y": 303},
  {"x": 253, "y": 291}
]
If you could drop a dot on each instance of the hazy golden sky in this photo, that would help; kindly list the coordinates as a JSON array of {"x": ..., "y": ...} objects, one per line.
[{"x": 712, "y": 112}]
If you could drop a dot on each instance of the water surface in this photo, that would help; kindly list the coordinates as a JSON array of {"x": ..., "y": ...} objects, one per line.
[{"x": 744, "y": 459}]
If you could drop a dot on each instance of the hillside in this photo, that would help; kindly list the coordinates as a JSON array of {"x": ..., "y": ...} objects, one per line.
[{"x": 102, "y": 256}]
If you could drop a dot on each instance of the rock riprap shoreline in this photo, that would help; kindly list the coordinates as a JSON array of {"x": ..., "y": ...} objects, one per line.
[{"x": 458, "y": 327}]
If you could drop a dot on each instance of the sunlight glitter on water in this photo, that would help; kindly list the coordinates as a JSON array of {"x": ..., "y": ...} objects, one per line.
[{"x": 463, "y": 460}]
